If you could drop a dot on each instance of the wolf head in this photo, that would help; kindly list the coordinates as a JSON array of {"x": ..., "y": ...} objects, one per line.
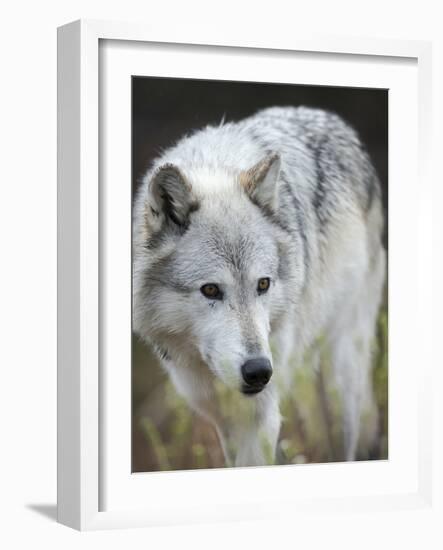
[{"x": 213, "y": 269}]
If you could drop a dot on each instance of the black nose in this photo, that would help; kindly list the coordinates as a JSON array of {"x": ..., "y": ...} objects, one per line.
[{"x": 256, "y": 373}]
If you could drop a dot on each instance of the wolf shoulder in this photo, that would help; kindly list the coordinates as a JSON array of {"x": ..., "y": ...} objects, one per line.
[{"x": 325, "y": 150}]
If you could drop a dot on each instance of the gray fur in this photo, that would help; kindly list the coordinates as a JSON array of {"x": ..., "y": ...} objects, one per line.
[{"x": 289, "y": 194}]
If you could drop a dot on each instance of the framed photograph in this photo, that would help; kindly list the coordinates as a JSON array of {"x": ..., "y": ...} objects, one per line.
[{"x": 230, "y": 343}]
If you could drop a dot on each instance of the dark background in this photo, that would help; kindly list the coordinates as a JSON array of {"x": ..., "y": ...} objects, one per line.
[
  {"x": 164, "y": 109},
  {"x": 166, "y": 434}
]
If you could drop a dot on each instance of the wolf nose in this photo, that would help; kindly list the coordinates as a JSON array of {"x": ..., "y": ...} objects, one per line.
[{"x": 257, "y": 372}]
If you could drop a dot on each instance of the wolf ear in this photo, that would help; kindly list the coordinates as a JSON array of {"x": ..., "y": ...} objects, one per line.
[
  {"x": 170, "y": 197},
  {"x": 260, "y": 182}
]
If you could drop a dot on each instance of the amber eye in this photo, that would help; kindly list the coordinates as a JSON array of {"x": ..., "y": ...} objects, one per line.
[
  {"x": 263, "y": 285},
  {"x": 211, "y": 291}
]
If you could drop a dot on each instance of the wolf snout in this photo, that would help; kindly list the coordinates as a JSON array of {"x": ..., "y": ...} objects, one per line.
[{"x": 256, "y": 374}]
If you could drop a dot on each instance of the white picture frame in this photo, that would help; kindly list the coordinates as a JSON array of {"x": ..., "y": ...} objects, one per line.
[{"x": 81, "y": 413}]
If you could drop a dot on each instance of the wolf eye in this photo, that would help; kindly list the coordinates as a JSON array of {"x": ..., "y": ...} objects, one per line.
[
  {"x": 263, "y": 285},
  {"x": 211, "y": 291}
]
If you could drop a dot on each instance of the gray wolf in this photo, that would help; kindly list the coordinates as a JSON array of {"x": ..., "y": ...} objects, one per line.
[{"x": 252, "y": 240}]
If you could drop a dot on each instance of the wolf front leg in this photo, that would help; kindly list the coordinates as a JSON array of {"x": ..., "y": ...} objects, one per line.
[
  {"x": 254, "y": 437},
  {"x": 248, "y": 432},
  {"x": 247, "y": 426}
]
